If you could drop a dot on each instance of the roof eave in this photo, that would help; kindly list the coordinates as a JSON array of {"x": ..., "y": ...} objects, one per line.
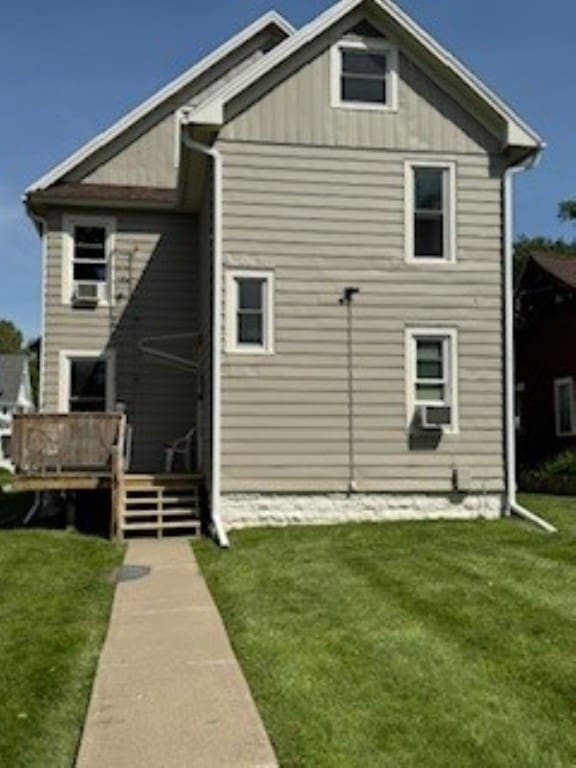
[
  {"x": 104, "y": 138},
  {"x": 212, "y": 112}
]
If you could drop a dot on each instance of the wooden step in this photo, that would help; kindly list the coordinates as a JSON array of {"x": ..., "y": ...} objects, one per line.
[
  {"x": 161, "y": 480},
  {"x": 193, "y": 524},
  {"x": 176, "y": 499},
  {"x": 175, "y": 512}
]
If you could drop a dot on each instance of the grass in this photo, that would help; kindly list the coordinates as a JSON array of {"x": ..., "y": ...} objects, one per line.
[
  {"x": 415, "y": 644},
  {"x": 55, "y": 595}
]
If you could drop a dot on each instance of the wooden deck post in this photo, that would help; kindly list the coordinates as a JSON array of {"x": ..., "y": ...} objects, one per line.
[{"x": 117, "y": 493}]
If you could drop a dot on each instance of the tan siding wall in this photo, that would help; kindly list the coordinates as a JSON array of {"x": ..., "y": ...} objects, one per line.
[
  {"x": 157, "y": 273},
  {"x": 298, "y": 111},
  {"x": 146, "y": 155},
  {"x": 323, "y": 219},
  {"x": 148, "y": 161}
]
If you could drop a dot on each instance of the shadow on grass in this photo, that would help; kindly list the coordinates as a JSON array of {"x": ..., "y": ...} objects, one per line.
[{"x": 92, "y": 515}]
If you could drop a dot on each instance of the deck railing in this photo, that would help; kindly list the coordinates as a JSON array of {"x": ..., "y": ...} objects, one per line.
[{"x": 45, "y": 443}]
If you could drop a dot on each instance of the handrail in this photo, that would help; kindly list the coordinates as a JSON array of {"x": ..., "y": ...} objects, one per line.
[{"x": 45, "y": 443}]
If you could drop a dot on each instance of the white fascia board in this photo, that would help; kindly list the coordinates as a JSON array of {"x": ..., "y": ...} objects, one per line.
[
  {"x": 211, "y": 114},
  {"x": 132, "y": 117},
  {"x": 518, "y": 131}
]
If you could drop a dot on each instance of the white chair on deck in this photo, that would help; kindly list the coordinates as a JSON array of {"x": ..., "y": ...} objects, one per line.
[{"x": 182, "y": 446}]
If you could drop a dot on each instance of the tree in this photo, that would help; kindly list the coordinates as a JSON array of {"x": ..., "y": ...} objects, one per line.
[
  {"x": 10, "y": 337},
  {"x": 567, "y": 210}
]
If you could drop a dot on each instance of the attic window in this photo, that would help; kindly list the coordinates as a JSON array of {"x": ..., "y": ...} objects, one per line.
[{"x": 364, "y": 75}]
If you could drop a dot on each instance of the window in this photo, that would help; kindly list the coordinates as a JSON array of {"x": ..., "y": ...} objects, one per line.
[
  {"x": 249, "y": 311},
  {"x": 564, "y": 407},
  {"x": 86, "y": 382},
  {"x": 88, "y": 252},
  {"x": 431, "y": 373},
  {"x": 364, "y": 75},
  {"x": 430, "y": 219}
]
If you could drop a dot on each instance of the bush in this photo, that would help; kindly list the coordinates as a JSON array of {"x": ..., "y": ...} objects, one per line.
[
  {"x": 563, "y": 464},
  {"x": 556, "y": 475}
]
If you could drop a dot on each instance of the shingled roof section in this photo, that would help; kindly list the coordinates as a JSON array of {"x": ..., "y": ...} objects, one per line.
[
  {"x": 11, "y": 374},
  {"x": 106, "y": 192},
  {"x": 561, "y": 266}
]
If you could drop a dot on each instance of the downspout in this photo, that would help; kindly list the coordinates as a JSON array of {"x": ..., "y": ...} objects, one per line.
[
  {"x": 213, "y": 153},
  {"x": 512, "y": 505}
]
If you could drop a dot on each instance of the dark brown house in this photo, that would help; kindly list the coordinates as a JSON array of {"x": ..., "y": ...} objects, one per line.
[{"x": 546, "y": 356}]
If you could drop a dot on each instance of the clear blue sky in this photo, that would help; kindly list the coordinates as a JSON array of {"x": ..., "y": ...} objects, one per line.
[{"x": 70, "y": 69}]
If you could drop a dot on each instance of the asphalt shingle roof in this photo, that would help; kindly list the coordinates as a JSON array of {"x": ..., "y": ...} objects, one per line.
[{"x": 559, "y": 265}]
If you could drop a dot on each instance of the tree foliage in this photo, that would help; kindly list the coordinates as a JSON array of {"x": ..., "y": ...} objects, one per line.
[
  {"x": 567, "y": 210},
  {"x": 10, "y": 337}
]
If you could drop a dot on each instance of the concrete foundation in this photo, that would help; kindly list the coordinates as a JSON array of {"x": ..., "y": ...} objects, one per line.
[{"x": 245, "y": 510}]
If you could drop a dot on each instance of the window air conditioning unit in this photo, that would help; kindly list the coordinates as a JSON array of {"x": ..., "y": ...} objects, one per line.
[
  {"x": 435, "y": 416},
  {"x": 86, "y": 294}
]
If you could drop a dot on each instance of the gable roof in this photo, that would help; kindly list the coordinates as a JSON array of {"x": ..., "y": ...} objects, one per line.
[
  {"x": 211, "y": 112},
  {"x": 561, "y": 266},
  {"x": 186, "y": 78},
  {"x": 12, "y": 371}
]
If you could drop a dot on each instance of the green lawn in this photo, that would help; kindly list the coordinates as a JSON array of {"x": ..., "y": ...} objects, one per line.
[
  {"x": 55, "y": 595},
  {"x": 411, "y": 644}
]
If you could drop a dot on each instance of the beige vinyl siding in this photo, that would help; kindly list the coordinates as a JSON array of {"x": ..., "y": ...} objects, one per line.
[
  {"x": 157, "y": 287},
  {"x": 322, "y": 219},
  {"x": 299, "y": 111},
  {"x": 145, "y": 154},
  {"x": 147, "y": 161}
]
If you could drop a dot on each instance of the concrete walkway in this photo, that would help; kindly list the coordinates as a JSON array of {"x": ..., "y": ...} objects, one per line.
[{"x": 169, "y": 692}]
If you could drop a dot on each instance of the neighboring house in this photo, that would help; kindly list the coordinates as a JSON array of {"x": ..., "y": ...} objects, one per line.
[
  {"x": 15, "y": 397},
  {"x": 218, "y": 225},
  {"x": 546, "y": 356}
]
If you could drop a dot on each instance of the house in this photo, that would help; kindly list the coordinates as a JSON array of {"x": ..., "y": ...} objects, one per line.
[
  {"x": 300, "y": 248},
  {"x": 15, "y": 397},
  {"x": 545, "y": 356}
]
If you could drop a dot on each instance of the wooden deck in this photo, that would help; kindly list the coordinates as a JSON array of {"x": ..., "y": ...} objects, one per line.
[{"x": 86, "y": 452}]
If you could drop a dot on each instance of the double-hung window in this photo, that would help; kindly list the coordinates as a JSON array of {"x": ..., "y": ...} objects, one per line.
[
  {"x": 86, "y": 382},
  {"x": 250, "y": 326},
  {"x": 432, "y": 378},
  {"x": 364, "y": 75},
  {"x": 89, "y": 260},
  {"x": 564, "y": 407},
  {"x": 430, "y": 214}
]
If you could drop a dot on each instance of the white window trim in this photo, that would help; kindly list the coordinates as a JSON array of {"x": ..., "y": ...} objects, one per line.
[
  {"x": 558, "y": 383},
  {"x": 450, "y": 239},
  {"x": 68, "y": 224},
  {"x": 66, "y": 355},
  {"x": 451, "y": 334},
  {"x": 232, "y": 347},
  {"x": 379, "y": 46}
]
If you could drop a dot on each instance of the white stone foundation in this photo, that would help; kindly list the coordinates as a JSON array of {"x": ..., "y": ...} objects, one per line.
[{"x": 248, "y": 510}]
